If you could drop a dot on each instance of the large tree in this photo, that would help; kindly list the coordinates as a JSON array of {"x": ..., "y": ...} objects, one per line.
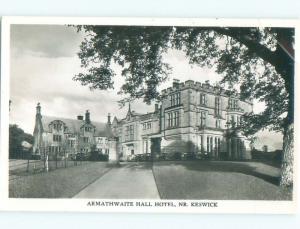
[
  {"x": 259, "y": 60},
  {"x": 16, "y": 137}
]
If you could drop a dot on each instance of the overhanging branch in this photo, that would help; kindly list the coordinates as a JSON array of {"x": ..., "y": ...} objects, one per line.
[{"x": 253, "y": 46}]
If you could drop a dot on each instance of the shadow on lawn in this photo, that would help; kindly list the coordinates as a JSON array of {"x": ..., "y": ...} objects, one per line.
[{"x": 222, "y": 166}]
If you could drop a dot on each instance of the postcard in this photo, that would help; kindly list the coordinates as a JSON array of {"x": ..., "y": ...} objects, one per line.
[{"x": 148, "y": 115}]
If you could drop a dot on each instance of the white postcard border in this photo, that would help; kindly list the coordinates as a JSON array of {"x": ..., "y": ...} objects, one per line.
[{"x": 82, "y": 205}]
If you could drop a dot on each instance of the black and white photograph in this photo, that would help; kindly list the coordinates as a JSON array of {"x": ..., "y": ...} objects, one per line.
[{"x": 180, "y": 110}]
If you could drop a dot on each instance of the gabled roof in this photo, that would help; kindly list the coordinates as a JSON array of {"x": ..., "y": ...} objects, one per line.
[
  {"x": 140, "y": 116},
  {"x": 133, "y": 113},
  {"x": 148, "y": 116},
  {"x": 74, "y": 125}
]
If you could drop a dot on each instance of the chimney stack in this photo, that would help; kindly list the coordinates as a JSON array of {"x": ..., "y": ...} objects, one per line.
[
  {"x": 87, "y": 117},
  {"x": 108, "y": 119},
  {"x": 176, "y": 82},
  {"x": 79, "y": 117},
  {"x": 38, "y": 109}
]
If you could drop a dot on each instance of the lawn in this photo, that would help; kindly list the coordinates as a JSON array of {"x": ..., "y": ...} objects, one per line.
[
  {"x": 218, "y": 180},
  {"x": 60, "y": 183}
]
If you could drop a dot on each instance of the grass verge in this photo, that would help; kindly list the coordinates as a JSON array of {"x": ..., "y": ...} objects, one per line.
[
  {"x": 218, "y": 180},
  {"x": 60, "y": 183}
]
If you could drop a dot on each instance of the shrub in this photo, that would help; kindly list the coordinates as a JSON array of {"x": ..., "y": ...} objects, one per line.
[
  {"x": 96, "y": 156},
  {"x": 189, "y": 156},
  {"x": 174, "y": 156}
]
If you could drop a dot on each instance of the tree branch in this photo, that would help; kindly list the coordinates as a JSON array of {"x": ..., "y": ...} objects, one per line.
[{"x": 253, "y": 46}]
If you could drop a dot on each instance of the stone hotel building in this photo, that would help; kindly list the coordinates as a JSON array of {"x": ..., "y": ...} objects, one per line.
[{"x": 192, "y": 117}]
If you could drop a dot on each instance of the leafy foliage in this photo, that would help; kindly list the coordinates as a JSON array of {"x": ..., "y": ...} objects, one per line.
[
  {"x": 252, "y": 58},
  {"x": 16, "y": 137}
]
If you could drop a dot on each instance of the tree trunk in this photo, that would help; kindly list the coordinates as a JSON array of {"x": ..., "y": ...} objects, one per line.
[{"x": 288, "y": 158}]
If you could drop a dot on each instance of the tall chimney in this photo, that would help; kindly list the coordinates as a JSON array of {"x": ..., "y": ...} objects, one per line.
[
  {"x": 87, "y": 117},
  {"x": 108, "y": 119},
  {"x": 176, "y": 82},
  {"x": 38, "y": 109}
]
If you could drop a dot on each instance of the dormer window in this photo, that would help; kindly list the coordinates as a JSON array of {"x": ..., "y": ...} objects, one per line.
[
  {"x": 88, "y": 129},
  {"x": 57, "y": 126}
]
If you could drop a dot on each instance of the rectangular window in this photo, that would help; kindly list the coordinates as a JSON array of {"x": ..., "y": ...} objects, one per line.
[
  {"x": 202, "y": 99},
  {"x": 230, "y": 103},
  {"x": 217, "y": 106},
  {"x": 173, "y": 119},
  {"x": 144, "y": 126},
  {"x": 57, "y": 126},
  {"x": 88, "y": 129},
  {"x": 149, "y": 125},
  {"x": 71, "y": 143},
  {"x": 202, "y": 119},
  {"x": 232, "y": 119},
  {"x": 127, "y": 133},
  {"x": 178, "y": 98},
  {"x": 169, "y": 119},
  {"x": 56, "y": 138},
  {"x": 175, "y": 99},
  {"x": 131, "y": 132},
  {"x": 218, "y": 123},
  {"x": 233, "y": 103},
  {"x": 85, "y": 139},
  {"x": 172, "y": 100}
]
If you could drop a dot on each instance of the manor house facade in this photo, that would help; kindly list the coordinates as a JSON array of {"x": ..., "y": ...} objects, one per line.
[
  {"x": 62, "y": 137},
  {"x": 191, "y": 118}
]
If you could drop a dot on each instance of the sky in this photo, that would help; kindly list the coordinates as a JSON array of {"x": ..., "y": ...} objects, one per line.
[{"x": 43, "y": 62}]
